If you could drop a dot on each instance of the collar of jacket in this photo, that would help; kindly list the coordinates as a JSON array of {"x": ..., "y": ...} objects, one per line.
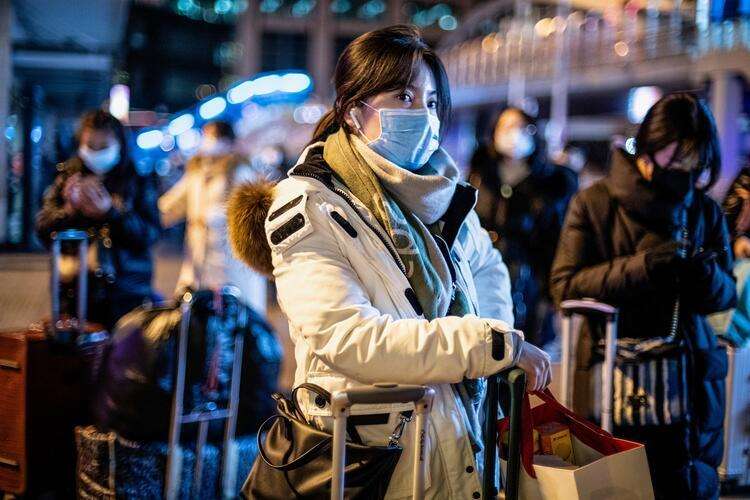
[
  {"x": 636, "y": 195},
  {"x": 463, "y": 201}
]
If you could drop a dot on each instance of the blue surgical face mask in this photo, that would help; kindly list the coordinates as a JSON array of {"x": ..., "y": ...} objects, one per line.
[{"x": 408, "y": 137}]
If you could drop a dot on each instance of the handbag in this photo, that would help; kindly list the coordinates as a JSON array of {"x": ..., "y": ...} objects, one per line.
[
  {"x": 650, "y": 376},
  {"x": 295, "y": 459},
  {"x": 650, "y": 383}
]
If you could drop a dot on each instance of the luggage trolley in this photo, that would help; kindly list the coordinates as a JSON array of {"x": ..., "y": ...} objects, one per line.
[
  {"x": 422, "y": 397},
  {"x": 203, "y": 417},
  {"x": 589, "y": 307}
]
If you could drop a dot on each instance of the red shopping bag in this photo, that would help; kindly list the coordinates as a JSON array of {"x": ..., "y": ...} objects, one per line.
[{"x": 610, "y": 467}]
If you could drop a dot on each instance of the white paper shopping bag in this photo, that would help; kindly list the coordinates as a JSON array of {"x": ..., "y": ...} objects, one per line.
[{"x": 605, "y": 467}]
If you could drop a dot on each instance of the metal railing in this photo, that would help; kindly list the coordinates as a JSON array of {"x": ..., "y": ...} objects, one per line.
[{"x": 543, "y": 49}]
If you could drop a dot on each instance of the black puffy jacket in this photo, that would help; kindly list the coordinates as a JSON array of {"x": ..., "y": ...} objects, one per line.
[
  {"x": 124, "y": 236},
  {"x": 607, "y": 234},
  {"x": 524, "y": 222}
]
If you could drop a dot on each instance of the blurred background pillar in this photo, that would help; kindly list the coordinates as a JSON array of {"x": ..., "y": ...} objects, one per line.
[
  {"x": 249, "y": 35},
  {"x": 33, "y": 112},
  {"x": 726, "y": 104},
  {"x": 320, "y": 53},
  {"x": 517, "y": 36},
  {"x": 6, "y": 78},
  {"x": 558, "y": 118}
]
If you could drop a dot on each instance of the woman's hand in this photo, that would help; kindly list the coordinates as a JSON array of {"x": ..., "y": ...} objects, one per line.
[
  {"x": 742, "y": 247},
  {"x": 536, "y": 364},
  {"x": 95, "y": 199},
  {"x": 71, "y": 194}
]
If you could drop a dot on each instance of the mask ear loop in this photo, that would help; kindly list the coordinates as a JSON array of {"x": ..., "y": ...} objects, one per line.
[
  {"x": 359, "y": 126},
  {"x": 355, "y": 120}
]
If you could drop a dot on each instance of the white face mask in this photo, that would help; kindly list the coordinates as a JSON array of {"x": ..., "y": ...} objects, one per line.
[
  {"x": 408, "y": 137},
  {"x": 211, "y": 146},
  {"x": 100, "y": 161},
  {"x": 515, "y": 144}
]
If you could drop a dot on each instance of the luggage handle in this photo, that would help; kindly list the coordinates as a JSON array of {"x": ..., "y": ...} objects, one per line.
[
  {"x": 82, "y": 297},
  {"x": 382, "y": 393},
  {"x": 173, "y": 474},
  {"x": 589, "y": 307},
  {"x": 515, "y": 378},
  {"x": 342, "y": 401}
]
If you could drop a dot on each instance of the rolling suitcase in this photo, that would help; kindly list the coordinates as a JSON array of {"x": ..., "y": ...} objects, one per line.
[
  {"x": 342, "y": 401},
  {"x": 735, "y": 464},
  {"x": 589, "y": 308},
  {"x": 48, "y": 371},
  {"x": 422, "y": 397},
  {"x": 229, "y": 454},
  {"x": 174, "y": 468}
]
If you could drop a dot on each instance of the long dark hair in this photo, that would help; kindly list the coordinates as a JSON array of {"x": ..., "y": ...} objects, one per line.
[
  {"x": 684, "y": 118},
  {"x": 382, "y": 61}
]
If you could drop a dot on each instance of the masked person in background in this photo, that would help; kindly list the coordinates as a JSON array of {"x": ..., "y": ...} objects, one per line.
[
  {"x": 650, "y": 241},
  {"x": 100, "y": 191},
  {"x": 734, "y": 324},
  {"x": 199, "y": 198},
  {"x": 522, "y": 203}
]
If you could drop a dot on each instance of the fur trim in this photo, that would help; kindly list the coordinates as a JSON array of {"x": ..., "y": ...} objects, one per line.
[{"x": 246, "y": 217}]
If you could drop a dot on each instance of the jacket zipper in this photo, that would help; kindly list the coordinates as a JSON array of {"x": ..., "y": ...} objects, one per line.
[{"x": 351, "y": 203}]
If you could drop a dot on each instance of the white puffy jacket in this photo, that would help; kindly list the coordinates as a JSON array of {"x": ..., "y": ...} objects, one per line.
[
  {"x": 352, "y": 322},
  {"x": 199, "y": 198}
]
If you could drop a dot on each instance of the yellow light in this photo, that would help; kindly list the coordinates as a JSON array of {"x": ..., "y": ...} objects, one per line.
[
  {"x": 545, "y": 27},
  {"x": 622, "y": 49},
  {"x": 490, "y": 44}
]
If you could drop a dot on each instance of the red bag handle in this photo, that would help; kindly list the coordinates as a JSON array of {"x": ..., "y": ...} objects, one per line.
[
  {"x": 582, "y": 429},
  {"x": 548, "y": 398}
]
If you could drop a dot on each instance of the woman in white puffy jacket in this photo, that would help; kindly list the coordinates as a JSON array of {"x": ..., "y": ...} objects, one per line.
[
  {"x": 380, "y": 263},
  {"x": 199, "y": 199}
]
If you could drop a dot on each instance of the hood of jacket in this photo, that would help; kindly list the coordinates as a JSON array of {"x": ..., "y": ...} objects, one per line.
[
  {"x": 247, "y": 209},
  {"x": 638, "y": 196}
]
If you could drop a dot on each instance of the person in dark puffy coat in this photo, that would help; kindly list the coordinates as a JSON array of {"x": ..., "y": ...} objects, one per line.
[
  {"x": 98, "y": 190},
  {"x": 620, "y": 245},
  {"x": 522, "y": 202}
]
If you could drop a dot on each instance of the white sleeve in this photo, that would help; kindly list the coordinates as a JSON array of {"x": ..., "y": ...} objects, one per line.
[
  {"x": 327, "y": 304},
  {"x": 490, "y": 273},
  {"x": 173, "y": 203}
]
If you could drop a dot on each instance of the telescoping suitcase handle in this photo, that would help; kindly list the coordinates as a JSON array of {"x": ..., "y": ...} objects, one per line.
[
  {"x": 178, "y": 418},
  {"x": 515, "y": 378},
  {"x": 341, "y": 403},
  {"x": 73, "y": 235},
  {"x": 589, "y": 308}
]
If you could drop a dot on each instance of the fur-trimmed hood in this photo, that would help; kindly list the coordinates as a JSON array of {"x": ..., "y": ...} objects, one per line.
[{"x": 246, "y": 216}]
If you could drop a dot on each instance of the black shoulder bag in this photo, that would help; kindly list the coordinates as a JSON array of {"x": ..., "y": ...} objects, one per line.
[{"x": 295, "y": 459}]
